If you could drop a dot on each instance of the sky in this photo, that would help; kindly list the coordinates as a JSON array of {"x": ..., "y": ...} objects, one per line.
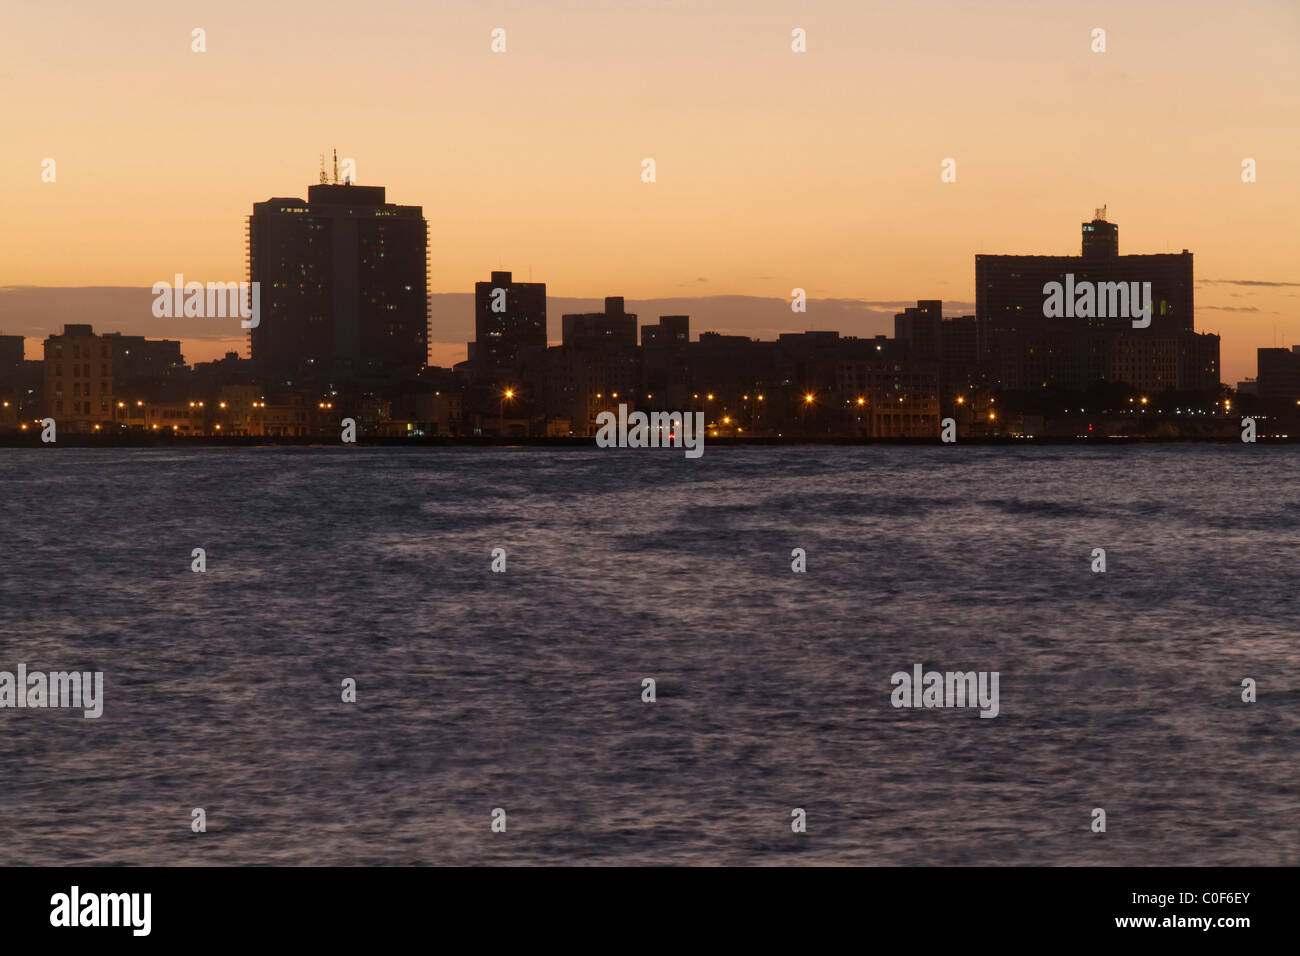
[{"x": 774, "y": 169}]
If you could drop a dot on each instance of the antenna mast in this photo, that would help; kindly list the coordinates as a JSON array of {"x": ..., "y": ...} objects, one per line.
[
  {"x": 336, "y": 167},
  {"x": 323, "y": 179}
]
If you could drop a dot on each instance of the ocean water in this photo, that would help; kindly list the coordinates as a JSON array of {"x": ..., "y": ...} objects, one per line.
[{"x": 522, "y": 690}]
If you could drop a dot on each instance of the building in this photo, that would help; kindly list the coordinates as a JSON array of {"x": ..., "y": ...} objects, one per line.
[
  {"x": 135, "y": 357},
  {"x": 663, "y": 360},
  {"x": 343, "y": 286},
  {"x": 1278, "y": 375},
  {"x": 582, "y": 382},
  {"x": 1009, "y": 292},
  {"x": 79, "y": 379},
  {"x": 614, "y": 328},
  {"x": 917, "y": 329},
  {"x": 509, "y": 323},
  {"x": 885, "y": 398},
  {"x": 1148, "y": 363},
  {"x": 11, "y": 362},
  {"x": 1026, "y": 350},
  {"x": 597, "y": 366},
  {"x": 670, "y": 332}
]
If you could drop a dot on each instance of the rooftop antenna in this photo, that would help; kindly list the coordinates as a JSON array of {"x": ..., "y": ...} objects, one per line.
[
  {"x": 323, "y": 179},
  {"x": 336, "y": 167},
  {"x": 1100, "y": 214}
]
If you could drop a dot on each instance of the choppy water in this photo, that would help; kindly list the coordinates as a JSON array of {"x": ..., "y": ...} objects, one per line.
[{"x": 522, "y": 690}]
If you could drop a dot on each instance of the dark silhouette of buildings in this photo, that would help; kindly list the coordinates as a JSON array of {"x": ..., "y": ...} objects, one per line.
[
  {"x": 342, "y": 333},
  {"x": 663, "y": 360},
  {"x": 917, "y": 329},
  {"x": 1021, "y": 349},
  {"x": 1009, "y": 289},
  {"x": 509, "y": 323},
  {"x": 344, "y": 286},
  {"x": 595, "y": 367},
  {"x": 1278, "y": 375},
  {"x": 136, "y": 357},
  {"x": 11, "y": 358},
  {"x": 505, "y": 365},
  {"x": 612, "y": 329},
  {"x": 820, "y": 383},
  {"x": 11, "y": 367}
]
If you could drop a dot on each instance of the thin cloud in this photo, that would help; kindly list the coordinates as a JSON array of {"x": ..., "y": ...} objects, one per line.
[{"x": 1257, "y": 282}]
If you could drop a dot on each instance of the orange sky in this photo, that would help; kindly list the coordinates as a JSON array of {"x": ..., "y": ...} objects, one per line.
[{"x": 775, "y": 169}]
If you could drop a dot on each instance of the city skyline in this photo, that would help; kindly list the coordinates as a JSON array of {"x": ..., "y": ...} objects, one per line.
[
  {"x": 775, "y": 170},
  {"x": 849, "y": 316}
]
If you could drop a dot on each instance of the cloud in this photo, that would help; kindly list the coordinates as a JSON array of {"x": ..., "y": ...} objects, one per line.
[{"x": 1253, "y": 282}]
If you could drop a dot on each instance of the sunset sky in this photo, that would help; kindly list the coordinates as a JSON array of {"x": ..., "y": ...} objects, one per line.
[{"x": 774, "y": 169}]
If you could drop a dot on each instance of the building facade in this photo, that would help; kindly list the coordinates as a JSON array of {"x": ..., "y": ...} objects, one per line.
[{"x": 343, "y": 281}]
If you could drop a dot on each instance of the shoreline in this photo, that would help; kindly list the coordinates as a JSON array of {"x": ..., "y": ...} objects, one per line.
[{"x": 98, "y": 441}]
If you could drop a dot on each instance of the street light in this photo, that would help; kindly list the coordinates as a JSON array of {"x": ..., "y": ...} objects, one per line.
[{"x": 508, "y": 394}]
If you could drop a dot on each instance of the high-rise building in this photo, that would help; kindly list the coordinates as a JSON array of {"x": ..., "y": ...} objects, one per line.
[
  {"x": 509, "y": 323},
  {"x": 1029, "y": 350},
  {"x": 343, "y": 286},
  {"x": 1009, "y": 292}
]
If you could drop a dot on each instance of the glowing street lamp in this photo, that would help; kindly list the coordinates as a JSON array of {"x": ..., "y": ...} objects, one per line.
[{"x": 506, "y": 396}]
